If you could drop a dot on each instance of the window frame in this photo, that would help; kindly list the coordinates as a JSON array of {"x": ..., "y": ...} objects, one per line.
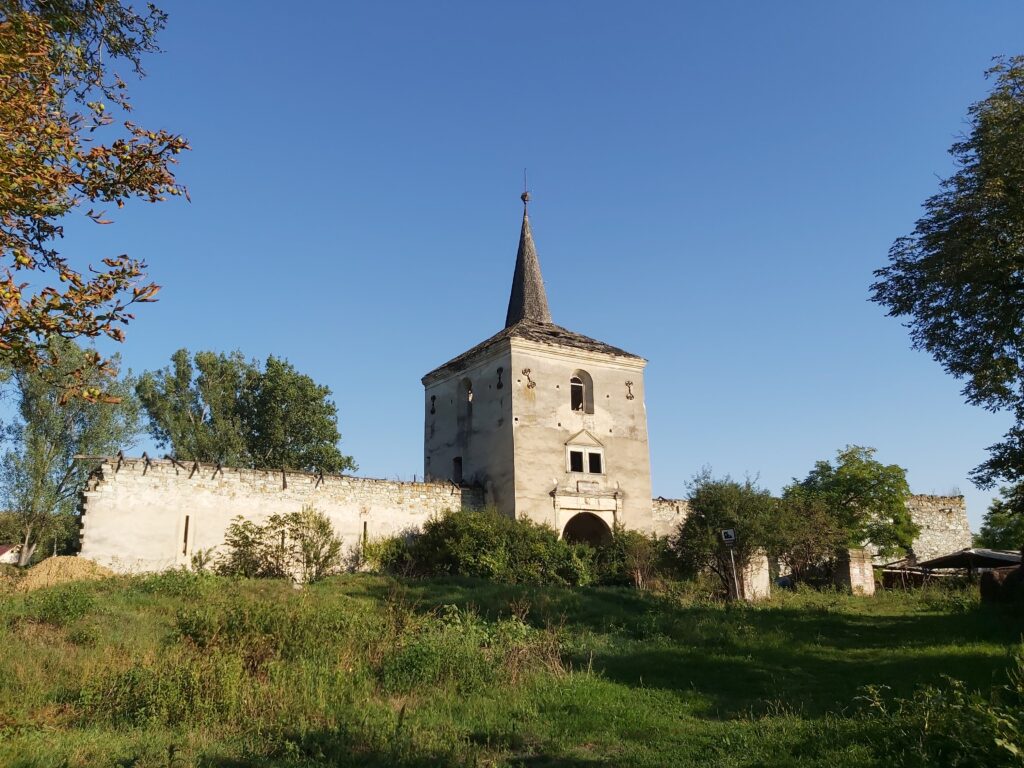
[{"x": 587, "y": 451}]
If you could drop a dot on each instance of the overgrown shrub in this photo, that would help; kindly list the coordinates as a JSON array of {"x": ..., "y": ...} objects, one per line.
[
  {"x": 60, "y": 605},
  {"x": 175, "y": 688},
  {"x": 951, "y": 725},
  {"x": 261, "y": 631},
  {"x": 634, "y": 558},
  {"x": 488, "y": 545},
  {"x": 457, "y": 648},
  {"x": 390, "y": 554},
  {"x": 176, "y": 582},
  {"x": 301, "y": 545}
]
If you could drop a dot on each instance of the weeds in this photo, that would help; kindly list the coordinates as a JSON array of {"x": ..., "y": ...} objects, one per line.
[{"x": 366, "y": 670}]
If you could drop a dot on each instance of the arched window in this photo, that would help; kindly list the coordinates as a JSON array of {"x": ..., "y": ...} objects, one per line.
[{"x": 581, "y": 392}]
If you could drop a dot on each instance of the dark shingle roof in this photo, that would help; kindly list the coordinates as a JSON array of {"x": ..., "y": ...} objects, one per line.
[
  {"x": 528, "y": 314},
  {"x": 528, "y": 299},
  {"x": 542, "y": 333}
]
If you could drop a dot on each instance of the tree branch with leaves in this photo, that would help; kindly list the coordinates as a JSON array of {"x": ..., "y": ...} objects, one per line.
[{"x": 62, "y": 149}]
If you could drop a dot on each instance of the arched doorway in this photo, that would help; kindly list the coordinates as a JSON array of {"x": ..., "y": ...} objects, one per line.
[{"x": 586, "y": 528}]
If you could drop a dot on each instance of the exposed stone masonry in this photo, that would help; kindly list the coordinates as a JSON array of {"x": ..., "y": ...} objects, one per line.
[
  {"x": 942, "y": 519},
  {"x": 943, "y": 522}
]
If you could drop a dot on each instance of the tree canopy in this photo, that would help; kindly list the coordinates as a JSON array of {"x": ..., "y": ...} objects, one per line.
[
  {"x": 39, "y": 476},
  {"x": 718, "y": 504},
  {"x": 958, "y": 279},
  {"x": 1003, "y": 525},
  {"x": 224, "y": 409},
  {"x": 866, "y": 499},
  {"x": 65, "y": 145}
]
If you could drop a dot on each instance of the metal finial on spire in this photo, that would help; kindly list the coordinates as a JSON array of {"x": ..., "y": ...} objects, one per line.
[
  {"x": 528, "y": 300},
  {"x": 525, "y": 197}
]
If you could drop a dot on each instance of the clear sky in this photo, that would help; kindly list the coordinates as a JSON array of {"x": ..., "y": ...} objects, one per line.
[{"x": 713, "y": 184}]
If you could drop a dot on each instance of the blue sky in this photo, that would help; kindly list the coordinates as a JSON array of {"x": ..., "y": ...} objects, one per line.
[{"x": 713, "y": 185}]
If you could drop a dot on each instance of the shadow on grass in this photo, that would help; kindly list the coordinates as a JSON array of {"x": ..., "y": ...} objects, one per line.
[
  {"x": 809, "y": 659},
  {"x": 339, "y": 748}
]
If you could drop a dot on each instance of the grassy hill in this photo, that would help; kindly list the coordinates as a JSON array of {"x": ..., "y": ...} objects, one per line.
[{"x": 183, "y": 670}]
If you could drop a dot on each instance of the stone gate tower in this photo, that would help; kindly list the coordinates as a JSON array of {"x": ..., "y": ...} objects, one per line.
[{"x": 550, "y": 423}]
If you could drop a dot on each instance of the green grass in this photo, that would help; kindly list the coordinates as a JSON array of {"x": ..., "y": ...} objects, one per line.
[{"x": 176, "y": 670}]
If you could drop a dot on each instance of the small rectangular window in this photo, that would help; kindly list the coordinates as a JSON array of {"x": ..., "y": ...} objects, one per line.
[
  {"x": 575, "y": 461},
  {"x": 184, "y": 543},
  {"x": 457, "y": 470},
  {"x": 594, "y": 463}
]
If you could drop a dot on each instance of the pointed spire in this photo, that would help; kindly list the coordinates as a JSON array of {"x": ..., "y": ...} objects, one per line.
[{"x": 528, "y": 300}]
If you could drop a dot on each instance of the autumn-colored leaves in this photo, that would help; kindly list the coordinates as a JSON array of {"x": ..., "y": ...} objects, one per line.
[{"x": 62, "y": 149}]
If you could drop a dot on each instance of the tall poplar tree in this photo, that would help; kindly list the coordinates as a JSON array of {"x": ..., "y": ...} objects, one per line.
[{"x": 40, "y": 479}]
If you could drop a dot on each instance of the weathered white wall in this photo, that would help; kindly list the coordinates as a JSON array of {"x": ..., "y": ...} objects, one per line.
[
  {"x": 543, "y": 421},
  {"x": 134, "y": 511},
  {"x": 480, "y": 432}
]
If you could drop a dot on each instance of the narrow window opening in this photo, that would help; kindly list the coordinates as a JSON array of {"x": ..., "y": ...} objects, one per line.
[
  {"x": 581, "y": 392},
  {"x": 457, "y": 470},
  {"x": 575, "y": 461},
  {"x": 576, "y": 393},
  {"x": 365, "y": 534},
  {"x": 184, "y": 542},
  {"x": 594, "y": 463}
]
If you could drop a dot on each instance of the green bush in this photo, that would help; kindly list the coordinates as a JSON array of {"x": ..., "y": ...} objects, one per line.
[
  {"x": 262, "y": 631},
  {"x": 59, "y": 606},
  {"x": 456, "y": 648},
  {"x": 301, "y": 545},
  {"x": 176, "y": 582},
  {"x": 952, "y": 725},
  {"x": 633, "y": 558},
  {"x": 488, "y": 545}
]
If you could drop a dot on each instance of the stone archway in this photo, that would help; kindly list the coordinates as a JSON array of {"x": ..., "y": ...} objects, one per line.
[{"x": 587, "y": 528}]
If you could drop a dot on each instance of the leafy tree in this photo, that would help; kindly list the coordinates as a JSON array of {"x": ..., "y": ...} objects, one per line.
[
  {"x": 222, "y": 408},
  {"x": 866, "y": 499},
  {"x": 807, "y": 534},
  {"x": 958, "y": 280},
  {"x": 718, "y": 504},
  {"x": 194, "y": 409},
  {"x": 62, "y": 149},
  {"x": 290, "y": 421},
  {"x": 1003, "y": 525},
  {"x": 39, "y": 476}
]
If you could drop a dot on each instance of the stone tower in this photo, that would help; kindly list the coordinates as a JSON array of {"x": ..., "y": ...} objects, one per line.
[{"x": 550, "y": 423}]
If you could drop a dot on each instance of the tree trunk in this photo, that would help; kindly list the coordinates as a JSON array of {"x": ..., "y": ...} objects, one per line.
[{"x": 27, "y": 549}]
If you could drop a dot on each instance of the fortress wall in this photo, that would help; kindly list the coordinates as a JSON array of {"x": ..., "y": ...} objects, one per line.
[
  {"x": 668, "y": 515},
  {"x": 943, "y": 522},
  {"x": 143, "y": 515},
  {"x": 136, "y": 512}
]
